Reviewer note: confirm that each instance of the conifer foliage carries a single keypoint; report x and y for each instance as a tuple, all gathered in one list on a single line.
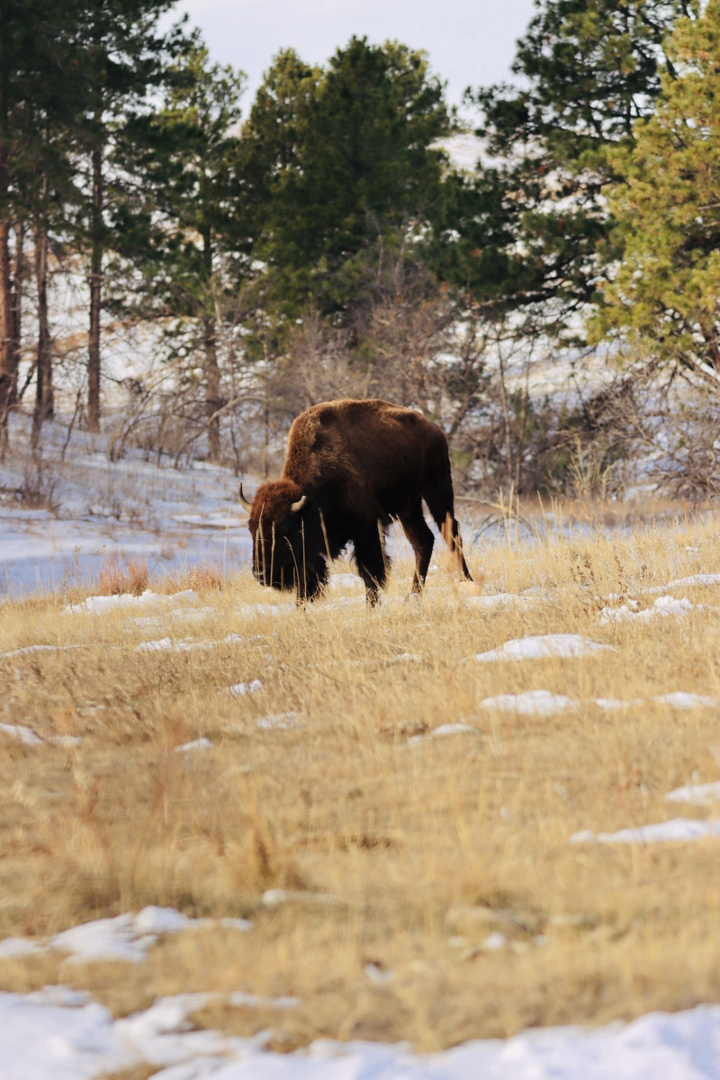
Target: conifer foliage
[(666, 290), (589, 69), (341, 161)]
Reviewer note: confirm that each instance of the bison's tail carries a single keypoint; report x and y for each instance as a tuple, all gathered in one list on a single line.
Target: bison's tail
[(450, 531), (440, 501)]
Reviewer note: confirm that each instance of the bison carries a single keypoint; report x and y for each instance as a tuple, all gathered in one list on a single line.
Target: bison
[(351, 468)]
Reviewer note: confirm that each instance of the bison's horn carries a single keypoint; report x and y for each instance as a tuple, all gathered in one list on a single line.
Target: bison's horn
[(247, 505), (296, 507)]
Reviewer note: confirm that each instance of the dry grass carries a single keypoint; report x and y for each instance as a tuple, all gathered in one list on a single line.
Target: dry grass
[(116, 578), (427, 846), (204, 576)]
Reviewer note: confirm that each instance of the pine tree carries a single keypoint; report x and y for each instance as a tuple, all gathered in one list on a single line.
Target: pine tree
[(542, 237), (118, 59), (28, 67), (667, 290), (338, 162)]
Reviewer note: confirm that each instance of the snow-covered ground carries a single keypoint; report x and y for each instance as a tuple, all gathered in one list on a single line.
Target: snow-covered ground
[(61, 1034), (103, 511)]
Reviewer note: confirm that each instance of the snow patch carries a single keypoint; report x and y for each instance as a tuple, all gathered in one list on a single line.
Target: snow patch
[(697, 794), (676, 829), (196, 744), (444, 731), (499, 600), (345, 581), (275, 897), (278, 721), (23, 734), (125, 937), (530, 703), (105, 939), (681, 583), (453, 729), (540, 646), (663, 606), (167, 644), (100, 605), (617, 703), (15, 946), (494, 941), (249, 611), (252, 1001), (28, 737), (58, 1033), (27, 650), (680, 699), (242, 688)]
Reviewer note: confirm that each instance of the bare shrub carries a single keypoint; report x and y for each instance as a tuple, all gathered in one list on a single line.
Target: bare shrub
[(410, 342), (521, 442), (37, 490), (664, 420), (114, 578), (203, 577), (678, 433)]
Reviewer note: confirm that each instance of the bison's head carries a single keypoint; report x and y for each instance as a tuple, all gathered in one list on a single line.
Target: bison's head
[(288, 551)]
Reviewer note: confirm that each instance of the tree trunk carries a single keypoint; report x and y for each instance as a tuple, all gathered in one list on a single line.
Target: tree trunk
[(6, 320), (44, 398), (213, 400), (10, 290), (96, 254), (16, 287)]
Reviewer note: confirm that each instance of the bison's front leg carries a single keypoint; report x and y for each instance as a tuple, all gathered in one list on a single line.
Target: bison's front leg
[(371, 562), (312, 581)]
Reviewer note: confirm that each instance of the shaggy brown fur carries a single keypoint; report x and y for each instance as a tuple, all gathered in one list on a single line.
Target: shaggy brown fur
[(351, 468)]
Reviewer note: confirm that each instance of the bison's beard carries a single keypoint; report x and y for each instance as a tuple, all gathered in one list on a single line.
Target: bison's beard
[(308, 576)]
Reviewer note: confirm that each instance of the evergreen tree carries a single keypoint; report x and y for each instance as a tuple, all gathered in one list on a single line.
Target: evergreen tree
[(32, 110), (341, 160), (667, 290), (119, 59), (541, 239)]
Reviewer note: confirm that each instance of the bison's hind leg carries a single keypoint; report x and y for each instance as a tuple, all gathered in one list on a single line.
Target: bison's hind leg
[(422, 541), (371, 560)]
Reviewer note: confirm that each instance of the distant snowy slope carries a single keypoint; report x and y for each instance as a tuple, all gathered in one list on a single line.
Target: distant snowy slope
[(103, 510)]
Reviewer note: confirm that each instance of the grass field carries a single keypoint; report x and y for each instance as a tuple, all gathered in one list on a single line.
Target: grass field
[(430, 888)]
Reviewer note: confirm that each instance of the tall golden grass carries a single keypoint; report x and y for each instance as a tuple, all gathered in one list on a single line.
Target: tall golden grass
[(401, 853)]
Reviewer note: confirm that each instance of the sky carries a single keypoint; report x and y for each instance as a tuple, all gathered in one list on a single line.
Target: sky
[(470, 42)]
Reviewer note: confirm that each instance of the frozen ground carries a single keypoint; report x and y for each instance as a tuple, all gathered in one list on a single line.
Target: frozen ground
[(102, 511), (62, 1034)]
